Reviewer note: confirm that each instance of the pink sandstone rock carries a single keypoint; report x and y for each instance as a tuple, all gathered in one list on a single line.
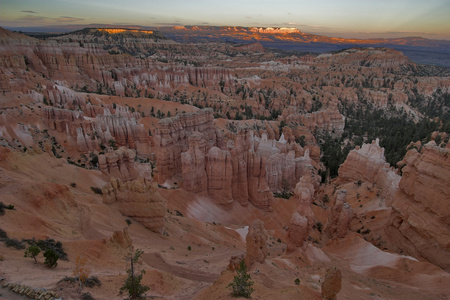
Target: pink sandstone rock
[(420, 224), (219, 172), (119, 164), (332, 283), (256, 243), (369, 164), (341, 215), (302, 219), (193, 164), (137, 199)]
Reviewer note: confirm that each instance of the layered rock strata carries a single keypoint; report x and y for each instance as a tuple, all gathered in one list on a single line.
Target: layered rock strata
[(119, 164), (106, 129), (171, 139), (302, 220), (369, 164), (420, 222), (137, 199), (340, 217)]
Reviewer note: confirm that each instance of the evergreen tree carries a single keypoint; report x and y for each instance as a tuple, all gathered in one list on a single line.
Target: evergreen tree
[(51, 258), (242, 285), (132, 284)]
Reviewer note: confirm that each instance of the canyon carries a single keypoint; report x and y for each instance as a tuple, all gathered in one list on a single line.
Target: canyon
[(203, 154)]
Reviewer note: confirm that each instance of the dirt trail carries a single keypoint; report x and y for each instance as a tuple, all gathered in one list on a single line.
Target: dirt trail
[(156, 261)]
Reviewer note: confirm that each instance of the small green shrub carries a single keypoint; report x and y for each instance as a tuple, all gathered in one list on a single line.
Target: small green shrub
[(97, 190), (367, 231), (51, 244), (14, 243), (4, 206), (92, 281), (3, 235), (32, 252), (51, 258), (297, 281), (69, 279), (87, 296), (319, 226), (189, 248)]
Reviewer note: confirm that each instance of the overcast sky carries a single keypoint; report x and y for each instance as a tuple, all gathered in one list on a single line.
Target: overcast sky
[(344, 18)]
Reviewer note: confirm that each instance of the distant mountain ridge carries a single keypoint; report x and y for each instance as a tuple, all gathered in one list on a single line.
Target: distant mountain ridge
[(283, 34), (420, 50)]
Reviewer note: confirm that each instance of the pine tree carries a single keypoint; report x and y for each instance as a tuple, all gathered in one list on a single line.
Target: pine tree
[(242, 285), (133, 282)]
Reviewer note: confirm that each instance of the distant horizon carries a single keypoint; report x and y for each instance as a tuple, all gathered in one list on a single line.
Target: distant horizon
[(345, 19), (55, 29)]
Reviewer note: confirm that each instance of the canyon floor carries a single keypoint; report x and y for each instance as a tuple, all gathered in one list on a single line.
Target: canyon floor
[(189, 260), (114, 142)]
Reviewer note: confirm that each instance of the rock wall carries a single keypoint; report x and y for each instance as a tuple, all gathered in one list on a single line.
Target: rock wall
[(193, 164), (369, 164), (90, 134), (171, 139), (219, 171), (302, 220), (340, 217), (119, 164), (420, 223), (137, 199), (228, 166), (84, 65), (329, 120)]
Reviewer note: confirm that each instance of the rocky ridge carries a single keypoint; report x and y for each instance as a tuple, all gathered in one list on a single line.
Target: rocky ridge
[(419, 224)]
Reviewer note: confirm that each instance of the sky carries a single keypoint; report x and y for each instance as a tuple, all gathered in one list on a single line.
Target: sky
[(338, 18)]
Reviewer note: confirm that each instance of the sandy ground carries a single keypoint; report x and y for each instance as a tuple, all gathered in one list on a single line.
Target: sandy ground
[(189, 260)]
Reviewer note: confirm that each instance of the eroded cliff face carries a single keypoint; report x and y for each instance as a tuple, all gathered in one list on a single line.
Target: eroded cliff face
[(171, 139), (102, 130), (413, 207), (224, 164), (369, 164), (420, 222), (137, 199), (341, 215), (302, 220)]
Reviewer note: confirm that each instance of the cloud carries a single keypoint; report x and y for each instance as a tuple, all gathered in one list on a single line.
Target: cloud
[(30, 18), (169, 24), (68, 19), (29, 11), (315, 27)]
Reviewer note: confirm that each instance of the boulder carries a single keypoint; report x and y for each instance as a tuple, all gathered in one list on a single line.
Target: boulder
[(331, 284)]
